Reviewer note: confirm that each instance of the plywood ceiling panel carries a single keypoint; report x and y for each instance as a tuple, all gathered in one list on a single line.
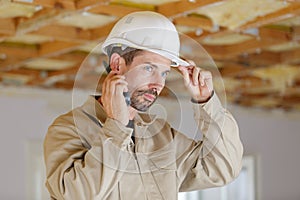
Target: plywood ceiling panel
[(86, 20), (234, 13), (226, 39), (150, 2), (9, 10), (15, 79), (29, 39), (49, 64), (284, 47), (295, 21)]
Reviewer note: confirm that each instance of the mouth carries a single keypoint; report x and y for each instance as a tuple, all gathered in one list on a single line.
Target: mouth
[(149, 97)]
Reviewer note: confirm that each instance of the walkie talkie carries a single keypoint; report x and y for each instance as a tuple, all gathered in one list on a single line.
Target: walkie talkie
[(126, 94)]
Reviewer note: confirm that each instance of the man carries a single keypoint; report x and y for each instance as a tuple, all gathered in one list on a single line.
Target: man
[(109, 148)]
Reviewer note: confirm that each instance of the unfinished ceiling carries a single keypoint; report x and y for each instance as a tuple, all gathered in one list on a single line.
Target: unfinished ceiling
[(254, 43)]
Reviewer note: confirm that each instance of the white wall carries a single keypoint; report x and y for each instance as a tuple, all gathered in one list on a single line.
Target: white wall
[(26, 114), (274, 137)]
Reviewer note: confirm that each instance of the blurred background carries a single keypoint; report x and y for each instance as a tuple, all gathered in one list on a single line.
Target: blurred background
[(256, 52)]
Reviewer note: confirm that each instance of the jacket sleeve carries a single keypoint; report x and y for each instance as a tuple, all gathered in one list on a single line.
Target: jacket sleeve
[(217, 159), (75, 171)]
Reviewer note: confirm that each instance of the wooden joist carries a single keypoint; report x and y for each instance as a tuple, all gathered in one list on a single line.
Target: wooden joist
[(113, 9), (64, 33), (267, 37), (193, 21), (19, 51), (7, 26), (180, 8), (59, 4), (290, 57)]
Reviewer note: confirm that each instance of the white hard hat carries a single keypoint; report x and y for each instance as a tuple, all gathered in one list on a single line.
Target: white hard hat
[(149, 31)]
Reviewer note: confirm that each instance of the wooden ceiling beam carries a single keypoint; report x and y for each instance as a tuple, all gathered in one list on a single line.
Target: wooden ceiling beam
[(26, 72), (74, 34), (8, 61), (36, 76), (267, 37), (274, 34), (19, 52), (199, 37), (250, 46), (66, 40), (178, 7), (22, 54), (60, 76), (65, 4), (68, 33), (193, 21), (70, 71), (218, 52), (42, 18), (90, 3), (230, 51), (232, 69), (291, 11), (45, 20), (264, 58), (101, 32), (296, 33), (59, 4), (113, 9), (72, 56), (57, 48), (267, 34), (3, 36), (7, 26), (290, 57)]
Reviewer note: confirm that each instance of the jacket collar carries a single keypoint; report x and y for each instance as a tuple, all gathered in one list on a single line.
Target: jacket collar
[(96, 110)]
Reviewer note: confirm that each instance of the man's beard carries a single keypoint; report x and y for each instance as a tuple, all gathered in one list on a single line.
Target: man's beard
[(139, 102)]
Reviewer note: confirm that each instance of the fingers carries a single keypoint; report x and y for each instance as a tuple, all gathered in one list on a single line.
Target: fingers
[(112, 90), (195, 75), (205, 79), (198, 82), (115, 83), (112, 97), (186, 75)]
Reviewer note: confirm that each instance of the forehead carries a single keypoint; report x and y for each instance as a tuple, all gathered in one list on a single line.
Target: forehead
[(150, 57)]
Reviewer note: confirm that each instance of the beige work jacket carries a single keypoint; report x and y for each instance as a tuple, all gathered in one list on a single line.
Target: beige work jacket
[(89, 156)]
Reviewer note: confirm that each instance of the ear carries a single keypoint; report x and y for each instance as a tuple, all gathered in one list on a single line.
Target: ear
[(116, 63)]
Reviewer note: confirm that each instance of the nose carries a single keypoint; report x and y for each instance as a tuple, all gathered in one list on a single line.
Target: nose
[(155, 87), (157, 82)]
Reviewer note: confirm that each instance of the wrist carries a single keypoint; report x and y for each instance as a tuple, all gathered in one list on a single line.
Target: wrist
[(199, 101)]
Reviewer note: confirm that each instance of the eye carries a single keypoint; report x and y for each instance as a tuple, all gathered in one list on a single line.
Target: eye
[(165, 74), (149, 68)]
